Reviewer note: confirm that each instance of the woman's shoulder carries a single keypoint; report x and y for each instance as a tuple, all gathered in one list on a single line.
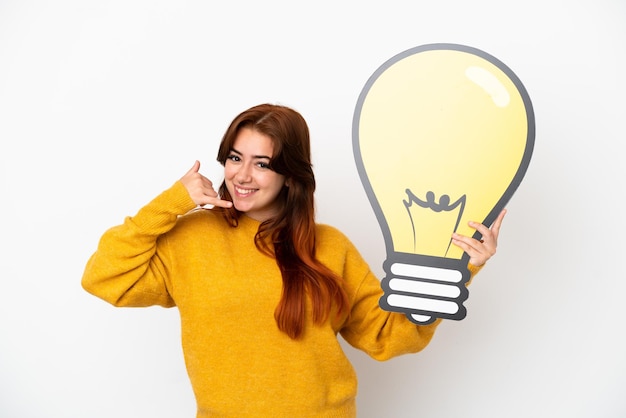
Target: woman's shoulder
[(328, 234), (337, 251), (328, 229)]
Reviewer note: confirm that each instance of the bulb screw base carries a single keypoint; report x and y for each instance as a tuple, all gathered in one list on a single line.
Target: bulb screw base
[(425, 288)]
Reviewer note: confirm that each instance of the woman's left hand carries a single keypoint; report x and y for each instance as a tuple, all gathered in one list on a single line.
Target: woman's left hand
[(480, 250)]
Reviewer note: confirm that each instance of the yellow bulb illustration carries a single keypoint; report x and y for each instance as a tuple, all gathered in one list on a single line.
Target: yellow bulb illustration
[(442, 135)]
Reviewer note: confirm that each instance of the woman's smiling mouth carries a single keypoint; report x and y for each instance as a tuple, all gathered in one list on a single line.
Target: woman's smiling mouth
[(244, 192)]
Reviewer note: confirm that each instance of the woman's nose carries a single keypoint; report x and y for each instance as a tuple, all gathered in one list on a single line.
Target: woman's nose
[(244, 174)]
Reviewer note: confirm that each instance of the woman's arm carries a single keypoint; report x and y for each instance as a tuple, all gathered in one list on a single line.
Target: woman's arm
[(129, 267)]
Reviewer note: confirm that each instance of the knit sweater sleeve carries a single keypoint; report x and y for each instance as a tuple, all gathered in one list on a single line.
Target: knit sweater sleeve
[(380, 334), (129, 267)]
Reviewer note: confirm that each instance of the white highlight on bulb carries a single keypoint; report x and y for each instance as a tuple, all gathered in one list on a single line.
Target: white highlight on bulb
[(488, 82)]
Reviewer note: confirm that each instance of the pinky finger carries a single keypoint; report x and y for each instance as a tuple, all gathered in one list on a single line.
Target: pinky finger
[(221, 203)]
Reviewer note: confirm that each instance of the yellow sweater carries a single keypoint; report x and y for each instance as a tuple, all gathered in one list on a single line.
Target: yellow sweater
[(239, 363)]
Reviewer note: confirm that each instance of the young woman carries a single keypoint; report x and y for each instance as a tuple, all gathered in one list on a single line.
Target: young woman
[(261, 288)]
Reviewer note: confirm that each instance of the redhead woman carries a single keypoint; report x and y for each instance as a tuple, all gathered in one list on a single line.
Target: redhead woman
[(262, 289)]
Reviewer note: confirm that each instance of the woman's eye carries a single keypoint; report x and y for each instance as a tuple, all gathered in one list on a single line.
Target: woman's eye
[(263, 165), (234, 157)]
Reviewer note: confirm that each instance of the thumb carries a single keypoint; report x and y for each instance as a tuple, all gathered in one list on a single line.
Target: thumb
[(195, 168)]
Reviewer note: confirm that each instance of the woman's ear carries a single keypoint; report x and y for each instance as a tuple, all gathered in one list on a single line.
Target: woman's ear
[(288, 182)]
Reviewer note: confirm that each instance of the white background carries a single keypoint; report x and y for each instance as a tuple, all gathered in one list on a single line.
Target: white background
[(103, 104)]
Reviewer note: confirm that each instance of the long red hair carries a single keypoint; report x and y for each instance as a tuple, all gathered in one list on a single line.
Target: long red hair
[(290, 235)]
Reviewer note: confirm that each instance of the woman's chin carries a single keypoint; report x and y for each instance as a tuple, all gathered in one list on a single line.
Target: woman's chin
[(241, 207)]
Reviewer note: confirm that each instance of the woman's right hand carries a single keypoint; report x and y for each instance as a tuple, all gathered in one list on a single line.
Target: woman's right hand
[(200, 188)]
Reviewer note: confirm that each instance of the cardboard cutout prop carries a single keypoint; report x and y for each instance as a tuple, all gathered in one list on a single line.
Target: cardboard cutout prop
[(442, 135)]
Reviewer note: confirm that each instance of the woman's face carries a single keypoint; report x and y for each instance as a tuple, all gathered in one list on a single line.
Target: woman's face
[(249, 180)]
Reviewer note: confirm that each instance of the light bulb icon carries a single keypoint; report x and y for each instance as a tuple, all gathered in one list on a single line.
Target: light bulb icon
[(442, 135)]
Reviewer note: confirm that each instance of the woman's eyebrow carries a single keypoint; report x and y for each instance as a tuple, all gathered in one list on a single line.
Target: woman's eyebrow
[(254, 156)]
